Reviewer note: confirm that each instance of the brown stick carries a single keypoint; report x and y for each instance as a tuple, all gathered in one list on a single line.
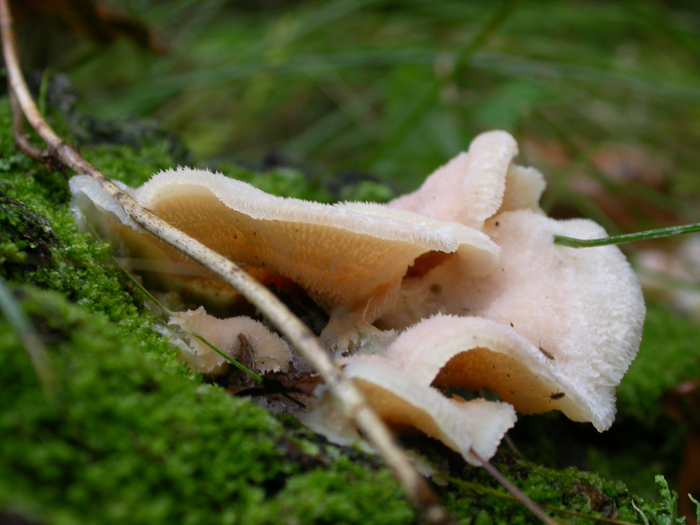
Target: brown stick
[(347, 397), (21, 139)]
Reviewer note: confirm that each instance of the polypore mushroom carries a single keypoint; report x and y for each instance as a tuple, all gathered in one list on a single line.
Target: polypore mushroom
[(465, 267), (470, 188), (270, 352), (404, 403), (580, 313), (349, 257)]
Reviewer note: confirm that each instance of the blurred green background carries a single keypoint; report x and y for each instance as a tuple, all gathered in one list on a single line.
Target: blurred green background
[(600, 95)]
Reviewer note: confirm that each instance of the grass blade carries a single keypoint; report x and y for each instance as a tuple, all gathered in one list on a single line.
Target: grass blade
[(12, 310)]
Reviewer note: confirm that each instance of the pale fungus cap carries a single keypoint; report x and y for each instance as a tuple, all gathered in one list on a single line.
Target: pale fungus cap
[(465, 268), (269, 351), (524, 187), (583, 308), (473, 353), (404, 403), (468, 189), (348, 255)]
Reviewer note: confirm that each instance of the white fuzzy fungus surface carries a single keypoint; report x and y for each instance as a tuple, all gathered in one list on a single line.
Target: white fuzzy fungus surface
[(464, 270), (270, 352)]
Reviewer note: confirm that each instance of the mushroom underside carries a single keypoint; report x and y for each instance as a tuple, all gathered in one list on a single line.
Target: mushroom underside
[(343, 256), (405, 404)]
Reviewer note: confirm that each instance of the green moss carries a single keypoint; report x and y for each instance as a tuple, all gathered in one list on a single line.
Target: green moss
[(569, 490), (568, 495), (23, 234), (669, 355), (79, 267), (131, 438), (135, 439), (290, 182), (132, 166), (350, 494)]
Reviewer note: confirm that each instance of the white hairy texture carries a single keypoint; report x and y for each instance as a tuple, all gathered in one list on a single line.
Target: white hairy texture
[(403, 402), (582, 306), (270, 352), (469, 188), (347, 255)]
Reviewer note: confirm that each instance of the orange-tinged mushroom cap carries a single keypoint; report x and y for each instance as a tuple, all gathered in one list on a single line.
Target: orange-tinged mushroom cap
[(348, 255), (404, 403)]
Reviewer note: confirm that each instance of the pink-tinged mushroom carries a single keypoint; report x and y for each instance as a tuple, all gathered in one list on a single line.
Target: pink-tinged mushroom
[(464, 269), (468, 189), (579, 311), (350, 258), (404, 403), (270, 353)]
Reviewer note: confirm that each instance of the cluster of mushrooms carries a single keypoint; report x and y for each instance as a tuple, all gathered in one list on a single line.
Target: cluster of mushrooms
[(457, 286)]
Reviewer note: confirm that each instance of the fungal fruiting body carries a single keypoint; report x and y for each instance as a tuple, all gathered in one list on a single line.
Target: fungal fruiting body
[(457, 285), (350, 258), (271, 352)]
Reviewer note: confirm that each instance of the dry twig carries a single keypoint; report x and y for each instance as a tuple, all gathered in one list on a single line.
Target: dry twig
[(21, 139), (519, 495), (344, 392)]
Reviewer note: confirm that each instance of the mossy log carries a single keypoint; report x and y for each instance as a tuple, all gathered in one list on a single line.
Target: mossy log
[(136, 437)]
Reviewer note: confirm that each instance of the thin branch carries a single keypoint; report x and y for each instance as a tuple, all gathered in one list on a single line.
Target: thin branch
[(480, 489), (660, 233), (510, 486), (347, 397), (21, 138)]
